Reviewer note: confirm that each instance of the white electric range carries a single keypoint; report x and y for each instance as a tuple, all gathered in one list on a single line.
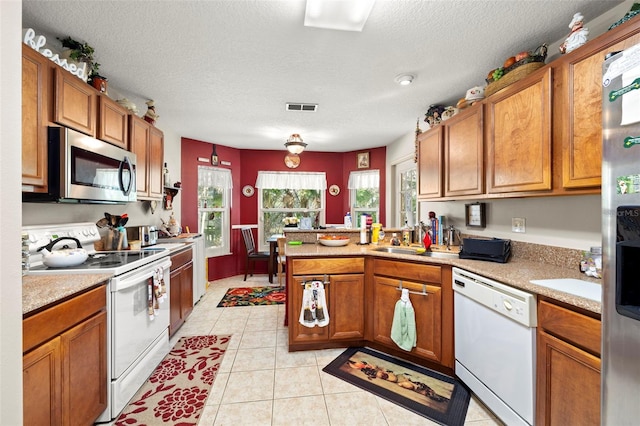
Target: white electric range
[(137, 305)]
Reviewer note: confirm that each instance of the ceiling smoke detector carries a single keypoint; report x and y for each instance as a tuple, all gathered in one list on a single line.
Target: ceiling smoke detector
[(301, 107)]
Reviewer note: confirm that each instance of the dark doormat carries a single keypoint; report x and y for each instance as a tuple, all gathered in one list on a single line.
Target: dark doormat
[(253, 296), (431, 394)]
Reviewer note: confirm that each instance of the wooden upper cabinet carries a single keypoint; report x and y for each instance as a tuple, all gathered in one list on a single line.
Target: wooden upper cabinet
[(36, 95), (147, 142), (113, 122), (139, 145), (156, 156), (430, 163), (75, 103), (464, 154), (518, 135), (578, 106)]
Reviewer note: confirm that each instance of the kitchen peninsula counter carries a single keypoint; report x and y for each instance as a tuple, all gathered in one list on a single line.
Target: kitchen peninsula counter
[(516, 273)]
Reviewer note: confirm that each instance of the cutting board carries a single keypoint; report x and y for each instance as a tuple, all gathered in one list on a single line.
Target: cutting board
[(580, 288)]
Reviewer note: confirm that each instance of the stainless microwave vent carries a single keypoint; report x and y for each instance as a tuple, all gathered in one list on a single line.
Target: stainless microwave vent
[(301, 107)]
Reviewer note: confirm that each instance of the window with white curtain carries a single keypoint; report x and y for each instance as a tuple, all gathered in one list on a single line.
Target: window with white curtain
[(287, 195), (364, 195), (214, 204)]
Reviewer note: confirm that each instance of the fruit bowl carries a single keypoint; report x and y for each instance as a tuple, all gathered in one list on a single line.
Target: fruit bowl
[(333, 240)]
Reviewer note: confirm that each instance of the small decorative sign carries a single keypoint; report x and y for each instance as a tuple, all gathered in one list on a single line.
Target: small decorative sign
[(37, 43)]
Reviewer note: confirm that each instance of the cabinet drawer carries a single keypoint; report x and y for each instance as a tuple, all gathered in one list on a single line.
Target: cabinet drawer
[(581, 330), (328, 266), (408, 271), (44, 325), (181, 258)]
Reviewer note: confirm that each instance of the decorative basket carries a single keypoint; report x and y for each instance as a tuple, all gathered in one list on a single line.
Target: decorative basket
[(515, 72)]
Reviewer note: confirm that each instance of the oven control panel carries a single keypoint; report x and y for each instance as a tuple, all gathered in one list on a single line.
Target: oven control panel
[(40, 235)]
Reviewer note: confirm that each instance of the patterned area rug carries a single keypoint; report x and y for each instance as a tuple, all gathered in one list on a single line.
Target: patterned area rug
[(426, 392), (177, 390), (251, 296)]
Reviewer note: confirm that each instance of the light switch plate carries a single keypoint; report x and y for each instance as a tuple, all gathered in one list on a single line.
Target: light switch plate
[(518, 224)]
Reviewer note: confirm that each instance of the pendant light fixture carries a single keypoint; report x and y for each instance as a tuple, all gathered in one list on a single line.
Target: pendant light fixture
[(214, 157), (294, 144)]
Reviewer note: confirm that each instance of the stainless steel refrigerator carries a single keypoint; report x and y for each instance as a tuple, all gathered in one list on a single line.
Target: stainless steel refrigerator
[(621, 239)]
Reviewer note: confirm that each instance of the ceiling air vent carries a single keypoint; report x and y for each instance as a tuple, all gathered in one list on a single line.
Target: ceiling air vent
[(301, 107)]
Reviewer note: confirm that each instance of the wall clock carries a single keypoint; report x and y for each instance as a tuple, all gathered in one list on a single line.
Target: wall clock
[(247, 190), (475, 215), (334, 190), (292, 160)]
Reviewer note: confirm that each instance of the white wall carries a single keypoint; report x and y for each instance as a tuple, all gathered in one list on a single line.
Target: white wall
[(571, 222), (10, 158)]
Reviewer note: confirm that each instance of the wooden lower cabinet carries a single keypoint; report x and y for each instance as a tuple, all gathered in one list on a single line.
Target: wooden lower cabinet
[(361, 298), (568, 367), (345, 301), (65, 369), (180, 289), (432, 300), (427, 309)]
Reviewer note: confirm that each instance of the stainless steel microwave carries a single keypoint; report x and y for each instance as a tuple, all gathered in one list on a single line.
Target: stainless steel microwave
[(83, 169)]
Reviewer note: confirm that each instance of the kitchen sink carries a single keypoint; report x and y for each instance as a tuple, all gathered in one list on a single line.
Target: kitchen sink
[(441, 254), (416, 252)]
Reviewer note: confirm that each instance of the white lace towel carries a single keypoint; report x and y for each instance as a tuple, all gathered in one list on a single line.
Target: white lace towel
[(314, 310)]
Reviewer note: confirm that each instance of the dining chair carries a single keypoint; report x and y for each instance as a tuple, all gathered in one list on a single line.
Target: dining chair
[(252, 254), (282, 260)]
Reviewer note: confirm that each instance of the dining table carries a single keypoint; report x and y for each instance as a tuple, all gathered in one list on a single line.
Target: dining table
[(273, 250)]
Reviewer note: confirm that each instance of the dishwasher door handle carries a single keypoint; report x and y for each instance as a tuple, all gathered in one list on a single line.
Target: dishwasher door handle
[(459, 283)]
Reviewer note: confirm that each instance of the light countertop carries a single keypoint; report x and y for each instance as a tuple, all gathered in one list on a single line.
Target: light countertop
[(516, 272)]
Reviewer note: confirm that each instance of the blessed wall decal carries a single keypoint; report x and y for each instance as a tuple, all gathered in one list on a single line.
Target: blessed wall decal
[(37, 43)]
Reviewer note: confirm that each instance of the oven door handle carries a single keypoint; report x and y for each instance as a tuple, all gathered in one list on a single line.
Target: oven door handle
[(131, 280)]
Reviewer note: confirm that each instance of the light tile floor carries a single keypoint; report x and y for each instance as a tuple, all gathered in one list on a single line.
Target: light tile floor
[(261, 383)]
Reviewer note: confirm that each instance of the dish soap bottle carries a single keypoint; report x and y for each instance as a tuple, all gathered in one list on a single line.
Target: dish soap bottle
[(347, 220), (406, 234)]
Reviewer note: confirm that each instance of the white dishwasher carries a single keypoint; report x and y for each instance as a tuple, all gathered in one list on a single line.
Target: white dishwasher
[(495, 344)]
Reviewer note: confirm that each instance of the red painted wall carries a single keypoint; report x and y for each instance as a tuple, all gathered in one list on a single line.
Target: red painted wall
[(245, 165)]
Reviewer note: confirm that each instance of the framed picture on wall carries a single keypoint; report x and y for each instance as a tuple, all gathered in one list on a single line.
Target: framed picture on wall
[(363, 160)]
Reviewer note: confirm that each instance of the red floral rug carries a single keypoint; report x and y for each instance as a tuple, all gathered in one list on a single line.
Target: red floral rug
[(251, 296), (177, 390)]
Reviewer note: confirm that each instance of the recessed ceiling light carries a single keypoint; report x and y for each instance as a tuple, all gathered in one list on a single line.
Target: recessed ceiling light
[(404, 79), (346, 15)]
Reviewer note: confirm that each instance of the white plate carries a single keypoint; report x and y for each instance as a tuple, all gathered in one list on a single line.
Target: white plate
[(334, 243)]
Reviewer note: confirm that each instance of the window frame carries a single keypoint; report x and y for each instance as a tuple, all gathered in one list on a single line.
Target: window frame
[(225, 248)]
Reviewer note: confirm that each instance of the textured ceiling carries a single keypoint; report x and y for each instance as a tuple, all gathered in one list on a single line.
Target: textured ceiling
[(222, 71)]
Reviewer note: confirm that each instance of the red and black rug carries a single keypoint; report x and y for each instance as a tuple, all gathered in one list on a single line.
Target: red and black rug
[(253, 296), (431, 394)]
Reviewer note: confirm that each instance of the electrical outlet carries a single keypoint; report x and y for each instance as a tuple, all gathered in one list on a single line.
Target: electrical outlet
[(518, 224)]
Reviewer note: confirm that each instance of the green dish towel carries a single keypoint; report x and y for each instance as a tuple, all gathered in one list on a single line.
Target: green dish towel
[(403, 327)]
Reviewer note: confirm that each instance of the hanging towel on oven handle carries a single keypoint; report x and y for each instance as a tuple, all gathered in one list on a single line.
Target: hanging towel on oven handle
[(314, 310)]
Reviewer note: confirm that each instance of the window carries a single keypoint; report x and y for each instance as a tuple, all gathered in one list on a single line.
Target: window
[(214, 195), (288, 194), (406, 179), (364, 194)]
